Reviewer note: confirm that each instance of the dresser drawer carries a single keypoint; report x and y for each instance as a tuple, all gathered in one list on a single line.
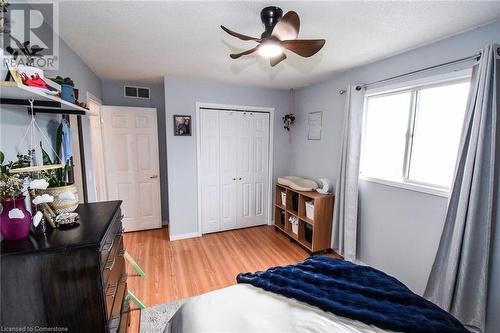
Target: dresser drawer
[(110, 238), (125, 318), (113, 285), (116, 251), (120, 309)]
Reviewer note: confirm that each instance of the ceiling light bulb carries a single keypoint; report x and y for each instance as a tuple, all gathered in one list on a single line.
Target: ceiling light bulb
[(270, 49)]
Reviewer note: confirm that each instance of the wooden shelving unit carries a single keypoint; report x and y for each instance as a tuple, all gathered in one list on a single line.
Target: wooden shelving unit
[(313, 234)]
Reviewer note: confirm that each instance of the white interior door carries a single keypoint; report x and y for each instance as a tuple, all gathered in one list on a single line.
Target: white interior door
[(132, 164), (228, 121), (210, 198), (253, 169), (245, 197), (260, 167), (234, 169)]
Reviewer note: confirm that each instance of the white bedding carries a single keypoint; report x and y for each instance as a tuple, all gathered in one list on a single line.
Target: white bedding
[(245, 308)]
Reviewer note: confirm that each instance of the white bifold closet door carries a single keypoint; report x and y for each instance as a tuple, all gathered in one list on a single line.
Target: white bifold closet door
[(234, 169)]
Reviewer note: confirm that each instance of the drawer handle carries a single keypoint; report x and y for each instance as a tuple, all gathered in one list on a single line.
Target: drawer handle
[(108, 245), (111, 289), (110, 266), (123, 279)]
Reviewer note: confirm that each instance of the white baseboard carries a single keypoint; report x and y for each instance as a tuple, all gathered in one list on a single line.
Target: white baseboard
[(184, 236)]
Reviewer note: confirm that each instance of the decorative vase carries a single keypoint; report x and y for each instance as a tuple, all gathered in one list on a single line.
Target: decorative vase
[(67, 93), (15, 228), (65, 198)]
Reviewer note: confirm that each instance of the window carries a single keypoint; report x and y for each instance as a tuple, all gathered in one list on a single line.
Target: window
[(411, 136)]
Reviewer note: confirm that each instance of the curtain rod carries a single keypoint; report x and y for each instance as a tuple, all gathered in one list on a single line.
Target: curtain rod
[(476, 56)]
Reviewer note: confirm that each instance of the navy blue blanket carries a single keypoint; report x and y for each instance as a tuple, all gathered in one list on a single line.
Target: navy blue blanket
[(357, 292)]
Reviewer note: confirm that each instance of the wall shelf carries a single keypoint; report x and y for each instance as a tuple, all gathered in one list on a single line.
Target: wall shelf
[(12, 93), (313, 234)]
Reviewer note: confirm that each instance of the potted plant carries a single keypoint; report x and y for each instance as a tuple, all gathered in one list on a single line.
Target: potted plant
[(288, 121), (15, 220), (60, 186), (67, 88)]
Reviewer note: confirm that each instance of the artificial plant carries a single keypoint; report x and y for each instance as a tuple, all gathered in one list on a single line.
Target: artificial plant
[(22, 161), (57, 177), (288, 121), (60, 80)]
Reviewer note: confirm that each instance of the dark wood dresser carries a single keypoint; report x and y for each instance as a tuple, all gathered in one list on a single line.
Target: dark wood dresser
[(69, 281)]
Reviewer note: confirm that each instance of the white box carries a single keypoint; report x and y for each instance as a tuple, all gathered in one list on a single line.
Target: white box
[(295, 228), (310, 209), (283, 198)]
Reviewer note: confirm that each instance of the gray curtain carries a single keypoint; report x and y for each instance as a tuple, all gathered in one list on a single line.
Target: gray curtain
[(345, 218), (459, 277)]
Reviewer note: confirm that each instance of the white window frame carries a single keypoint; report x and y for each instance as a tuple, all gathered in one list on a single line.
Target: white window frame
[(413, 87)]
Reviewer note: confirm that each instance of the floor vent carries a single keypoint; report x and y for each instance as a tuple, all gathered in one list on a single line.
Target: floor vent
[(136, 92)]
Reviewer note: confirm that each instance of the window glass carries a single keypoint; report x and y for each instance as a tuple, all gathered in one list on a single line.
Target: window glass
[(385, 135), (438, 125)]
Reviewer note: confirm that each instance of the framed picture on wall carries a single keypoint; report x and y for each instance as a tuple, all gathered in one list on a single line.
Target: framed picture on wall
[(314, 123), (182, 125)]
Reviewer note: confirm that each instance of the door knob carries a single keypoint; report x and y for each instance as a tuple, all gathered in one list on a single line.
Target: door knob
[(153, 177)]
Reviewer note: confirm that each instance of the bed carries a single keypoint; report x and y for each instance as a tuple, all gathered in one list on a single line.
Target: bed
[(320, 294)]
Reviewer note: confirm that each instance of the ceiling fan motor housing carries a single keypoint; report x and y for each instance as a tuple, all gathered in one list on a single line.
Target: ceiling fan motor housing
[(270, 16)]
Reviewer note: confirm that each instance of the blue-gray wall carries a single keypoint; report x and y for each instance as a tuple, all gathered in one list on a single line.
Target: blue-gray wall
[(399, 229), (14, 120), (181, 95), (113, 94)]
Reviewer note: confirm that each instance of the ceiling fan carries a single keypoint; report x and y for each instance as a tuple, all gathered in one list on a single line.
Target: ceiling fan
[(280, 33)]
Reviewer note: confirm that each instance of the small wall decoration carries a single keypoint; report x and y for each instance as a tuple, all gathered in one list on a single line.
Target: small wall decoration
[(314, 122), (288, 121), (182, 125)]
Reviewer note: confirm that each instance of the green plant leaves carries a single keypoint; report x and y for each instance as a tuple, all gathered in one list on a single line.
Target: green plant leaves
[(60, 80), (59, 136), (45, 156)]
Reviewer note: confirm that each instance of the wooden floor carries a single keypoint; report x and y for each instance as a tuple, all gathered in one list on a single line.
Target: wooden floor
[(183, 268)]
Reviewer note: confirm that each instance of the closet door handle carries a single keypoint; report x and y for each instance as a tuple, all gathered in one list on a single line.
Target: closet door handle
[(239, 178)]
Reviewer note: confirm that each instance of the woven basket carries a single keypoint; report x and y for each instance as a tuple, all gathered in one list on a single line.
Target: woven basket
[(63, 204)]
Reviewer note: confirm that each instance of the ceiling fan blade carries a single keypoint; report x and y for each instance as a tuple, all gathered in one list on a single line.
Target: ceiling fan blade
[(237, 55), (304, 47), (287, 27), (238, 35), (276, 60)]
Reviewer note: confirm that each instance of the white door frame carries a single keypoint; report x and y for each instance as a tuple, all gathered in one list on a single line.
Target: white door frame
[(102, 173), (270, 110)]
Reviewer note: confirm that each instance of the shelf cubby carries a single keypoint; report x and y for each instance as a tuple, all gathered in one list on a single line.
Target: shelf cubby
[(277, 197), (292, 202), (280, 217)]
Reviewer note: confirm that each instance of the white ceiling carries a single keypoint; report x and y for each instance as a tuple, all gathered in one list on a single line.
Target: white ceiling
[(144, 40)]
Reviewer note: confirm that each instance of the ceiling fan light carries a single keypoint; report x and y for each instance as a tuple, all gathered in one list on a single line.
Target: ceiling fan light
[(270, 49)]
